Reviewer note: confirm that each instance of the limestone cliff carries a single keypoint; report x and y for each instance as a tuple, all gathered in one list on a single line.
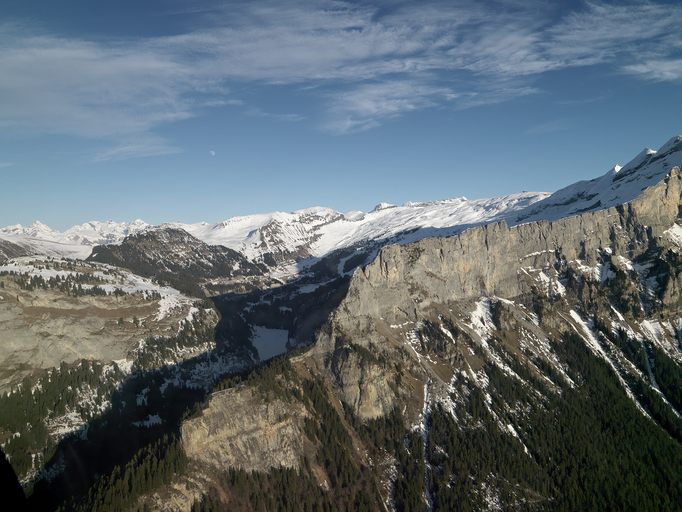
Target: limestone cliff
[(433, 324), (240, 429), (442, 279)]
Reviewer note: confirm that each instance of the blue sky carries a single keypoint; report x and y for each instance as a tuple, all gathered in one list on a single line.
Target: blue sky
[(202, 110)]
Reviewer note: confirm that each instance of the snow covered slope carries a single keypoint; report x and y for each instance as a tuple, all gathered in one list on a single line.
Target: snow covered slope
[(101, 233), (90, 233), (618, 186), (319, 231), (41, 247), (286, 234), (75, 242), (282, 238)]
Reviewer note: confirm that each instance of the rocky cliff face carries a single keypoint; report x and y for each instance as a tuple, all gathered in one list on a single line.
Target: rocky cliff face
[(486, 260), (240, 428), (442, 329), (598, 256)]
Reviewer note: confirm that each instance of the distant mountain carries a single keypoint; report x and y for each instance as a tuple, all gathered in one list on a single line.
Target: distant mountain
[(37, 230), (174, 256), (75, 242), (315, 232), (89, 233), (101, 233), (281, 239), (290, 242)]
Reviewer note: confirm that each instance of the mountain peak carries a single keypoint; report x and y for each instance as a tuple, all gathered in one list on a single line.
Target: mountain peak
[(673, 144), (383, 206), (619, 185), (641, 158)]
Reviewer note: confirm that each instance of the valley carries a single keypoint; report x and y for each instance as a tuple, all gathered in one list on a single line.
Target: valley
[(518, 353)]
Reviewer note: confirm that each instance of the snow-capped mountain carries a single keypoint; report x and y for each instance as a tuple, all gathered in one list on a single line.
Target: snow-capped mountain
[(175, 256), (619, 185), (89, 233), (283, 238), (75, 242), (36, 230), (101, 233), (286, 237), (319, 231)]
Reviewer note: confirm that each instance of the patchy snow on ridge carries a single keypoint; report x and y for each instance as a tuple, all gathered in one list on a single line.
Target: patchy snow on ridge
[(482, 320), (112, 279), (588, 336)]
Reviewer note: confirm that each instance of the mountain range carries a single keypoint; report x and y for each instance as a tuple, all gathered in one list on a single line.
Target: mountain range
[(515, 353), (316, 232)]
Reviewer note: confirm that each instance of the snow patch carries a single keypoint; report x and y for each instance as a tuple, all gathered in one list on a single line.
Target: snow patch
[(150, 421), (674, 235), (269, 342), (588, 336)]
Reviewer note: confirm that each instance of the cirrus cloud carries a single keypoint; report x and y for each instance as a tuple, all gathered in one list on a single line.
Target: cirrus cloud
[(358, 65)]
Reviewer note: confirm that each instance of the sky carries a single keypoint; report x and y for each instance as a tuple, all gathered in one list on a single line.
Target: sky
[(202, 110)]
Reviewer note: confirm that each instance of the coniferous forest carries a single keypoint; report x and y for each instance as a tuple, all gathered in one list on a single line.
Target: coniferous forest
[(585, 449)]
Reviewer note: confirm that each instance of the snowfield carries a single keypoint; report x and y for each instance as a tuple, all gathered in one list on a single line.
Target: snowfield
[(325, 230)]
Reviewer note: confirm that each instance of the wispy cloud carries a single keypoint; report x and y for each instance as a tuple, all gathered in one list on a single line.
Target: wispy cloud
[(365, 106), (583, 101), (553, 126), (145, 146), (362, 64), (5, 165), (619, 33), (259, 112), (657, 69)]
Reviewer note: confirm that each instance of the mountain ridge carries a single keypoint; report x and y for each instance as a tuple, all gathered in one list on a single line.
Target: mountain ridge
[(284, 239), (435, 368)]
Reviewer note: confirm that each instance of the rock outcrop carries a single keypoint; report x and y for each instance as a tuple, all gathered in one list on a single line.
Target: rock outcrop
[(240, 429), (10, 250)]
